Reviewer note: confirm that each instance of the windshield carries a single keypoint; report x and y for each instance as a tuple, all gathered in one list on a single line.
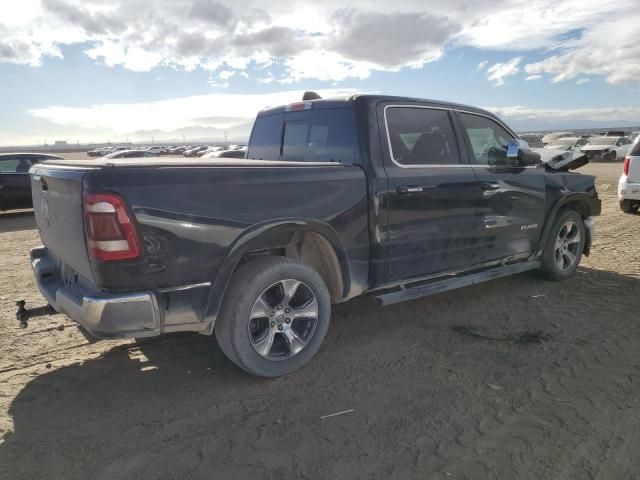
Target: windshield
[(565, 141), (603, 140)]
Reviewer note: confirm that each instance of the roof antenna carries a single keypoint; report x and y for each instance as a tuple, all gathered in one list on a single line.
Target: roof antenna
[(311, 96)]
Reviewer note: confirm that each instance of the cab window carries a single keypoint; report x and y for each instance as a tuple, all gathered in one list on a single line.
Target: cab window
[(421, 136), (487, 139), (15, 165), (323, 135), (265, 138)]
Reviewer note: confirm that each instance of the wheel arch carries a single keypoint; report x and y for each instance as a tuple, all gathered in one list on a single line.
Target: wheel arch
[(578, 202), (312, 242)]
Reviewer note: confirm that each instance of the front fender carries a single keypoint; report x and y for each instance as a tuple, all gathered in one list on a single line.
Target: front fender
[(587, 202)]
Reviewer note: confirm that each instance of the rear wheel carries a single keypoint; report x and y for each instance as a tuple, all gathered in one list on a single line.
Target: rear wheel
[(613, 156), (275, 316), (629, 206), (563, 251)]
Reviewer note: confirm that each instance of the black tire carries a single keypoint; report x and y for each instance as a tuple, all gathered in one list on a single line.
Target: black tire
[(562, 253), (613, 156), (629, 206), (251, 283)]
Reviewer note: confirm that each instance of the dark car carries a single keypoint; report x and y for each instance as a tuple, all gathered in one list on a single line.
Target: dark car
[(130, 154), (235, 153), (393, 197), (15, 184)]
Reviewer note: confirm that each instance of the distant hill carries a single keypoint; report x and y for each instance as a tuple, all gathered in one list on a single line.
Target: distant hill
[(236, 134)]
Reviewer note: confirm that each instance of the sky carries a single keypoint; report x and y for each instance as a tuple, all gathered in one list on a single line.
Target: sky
[(115, 70)]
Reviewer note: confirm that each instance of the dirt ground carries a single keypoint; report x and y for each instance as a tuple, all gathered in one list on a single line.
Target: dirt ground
[(520, 378)]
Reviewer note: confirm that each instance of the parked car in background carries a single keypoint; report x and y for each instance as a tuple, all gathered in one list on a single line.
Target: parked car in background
[(337, 198), (15, 184), (130, 154), (193, 152), (568, 143), (608, 149), (237, 153), (207, 150), (614, 133), (629, 183), (534, 141), (552, 137)]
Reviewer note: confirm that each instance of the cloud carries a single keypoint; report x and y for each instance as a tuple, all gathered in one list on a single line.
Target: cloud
[(582, 81), (230, 109), (601, 114), (211, 12), (609, 48), (325, 41), (482, 65), (499, 71), (93, 23), (532, 78), (391, 40)]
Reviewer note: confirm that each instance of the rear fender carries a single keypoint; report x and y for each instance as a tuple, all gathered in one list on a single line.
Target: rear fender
[(266, 237)]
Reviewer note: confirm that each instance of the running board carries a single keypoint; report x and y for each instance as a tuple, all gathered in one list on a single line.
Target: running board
[(465, 280)]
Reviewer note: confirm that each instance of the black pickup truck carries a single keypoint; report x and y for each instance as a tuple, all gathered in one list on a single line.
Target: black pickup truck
[(394, 197)]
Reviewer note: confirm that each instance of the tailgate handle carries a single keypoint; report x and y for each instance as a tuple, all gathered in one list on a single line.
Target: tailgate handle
[(44, 185)]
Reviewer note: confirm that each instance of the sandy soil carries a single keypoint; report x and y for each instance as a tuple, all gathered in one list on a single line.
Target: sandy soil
[(519, 378)]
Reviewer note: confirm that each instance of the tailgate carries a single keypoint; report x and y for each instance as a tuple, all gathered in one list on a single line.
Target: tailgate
[(57, 204)]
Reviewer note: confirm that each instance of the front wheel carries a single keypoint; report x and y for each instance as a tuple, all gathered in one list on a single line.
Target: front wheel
[(275, 316), (564, 247)]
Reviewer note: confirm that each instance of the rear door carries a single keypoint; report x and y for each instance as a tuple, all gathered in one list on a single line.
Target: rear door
[(511, 203), (432, 192)]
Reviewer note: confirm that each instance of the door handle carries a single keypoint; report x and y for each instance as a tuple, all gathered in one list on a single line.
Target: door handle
[(406, 189), (490, 186)]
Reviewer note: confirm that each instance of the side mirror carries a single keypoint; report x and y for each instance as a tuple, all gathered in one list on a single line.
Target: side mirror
[(519, 154)]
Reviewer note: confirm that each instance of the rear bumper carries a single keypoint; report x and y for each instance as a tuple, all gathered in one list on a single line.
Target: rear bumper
[(628, 190), (103, 315)]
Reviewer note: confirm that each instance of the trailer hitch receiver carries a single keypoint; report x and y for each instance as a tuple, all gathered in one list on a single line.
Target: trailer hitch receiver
[(24, 314)]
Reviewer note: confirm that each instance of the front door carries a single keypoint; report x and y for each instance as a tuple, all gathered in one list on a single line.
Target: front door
[(511, 202), (432, 192)]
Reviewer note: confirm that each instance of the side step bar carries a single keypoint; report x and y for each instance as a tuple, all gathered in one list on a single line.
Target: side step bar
[(410, 293)]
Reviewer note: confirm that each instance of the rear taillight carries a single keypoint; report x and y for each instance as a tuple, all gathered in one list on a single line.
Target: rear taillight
[(625, 167), (108, 227)]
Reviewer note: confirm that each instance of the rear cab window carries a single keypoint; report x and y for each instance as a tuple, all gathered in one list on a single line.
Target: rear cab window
[(635, 149), (266, 137), (320, 135)]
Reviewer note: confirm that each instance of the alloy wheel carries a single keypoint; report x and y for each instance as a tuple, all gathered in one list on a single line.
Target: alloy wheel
[(283, 320), (567, 246)]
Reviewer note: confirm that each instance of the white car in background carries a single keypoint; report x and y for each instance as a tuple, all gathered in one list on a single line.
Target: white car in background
[(629, 183), (552, 137), (568, 144), (608, 149)]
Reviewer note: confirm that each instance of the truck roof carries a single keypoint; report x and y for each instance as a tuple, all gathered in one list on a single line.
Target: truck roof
[(366, 99)]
